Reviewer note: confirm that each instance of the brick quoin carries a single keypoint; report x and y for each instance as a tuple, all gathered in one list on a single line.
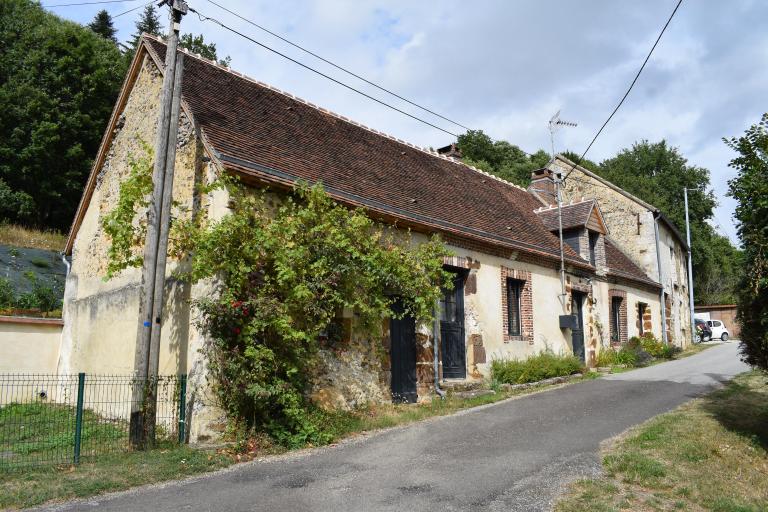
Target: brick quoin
[(526, 304)]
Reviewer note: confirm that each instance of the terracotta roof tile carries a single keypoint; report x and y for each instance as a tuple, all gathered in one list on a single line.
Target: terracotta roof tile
[(256, 128), (574, 215), (620, 265)]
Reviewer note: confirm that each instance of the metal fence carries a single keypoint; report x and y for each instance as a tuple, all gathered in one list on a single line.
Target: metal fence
[(63, 419)]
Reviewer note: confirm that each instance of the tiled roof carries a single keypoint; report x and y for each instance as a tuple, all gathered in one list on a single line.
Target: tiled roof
[(258, 130), (620, 265), (574, 215)]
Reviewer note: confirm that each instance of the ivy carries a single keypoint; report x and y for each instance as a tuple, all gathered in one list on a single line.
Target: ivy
[(285, 269), (286, 273), (126, 236)]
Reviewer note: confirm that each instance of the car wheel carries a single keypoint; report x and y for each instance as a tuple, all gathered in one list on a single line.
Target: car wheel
[(698, 339), (724, 337)]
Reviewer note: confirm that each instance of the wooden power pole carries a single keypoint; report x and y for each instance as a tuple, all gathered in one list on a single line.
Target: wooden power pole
[(144, 399)]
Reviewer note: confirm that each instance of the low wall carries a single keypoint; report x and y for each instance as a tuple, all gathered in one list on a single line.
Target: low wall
[(29, 345)]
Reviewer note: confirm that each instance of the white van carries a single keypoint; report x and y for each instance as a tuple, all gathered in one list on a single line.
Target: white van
[(719, 330)]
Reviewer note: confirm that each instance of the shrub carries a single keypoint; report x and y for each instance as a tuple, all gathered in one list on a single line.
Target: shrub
[(284, 273), (7, 293), (627, 356), (607, 357), (542, 366)]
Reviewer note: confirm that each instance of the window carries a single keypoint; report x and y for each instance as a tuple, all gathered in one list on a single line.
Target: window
[(592, 245), (514, 292), (616, 319), (640, 314)]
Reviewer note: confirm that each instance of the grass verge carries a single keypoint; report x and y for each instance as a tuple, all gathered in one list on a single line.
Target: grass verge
[(709, 454), (19, 236), (123, 470)]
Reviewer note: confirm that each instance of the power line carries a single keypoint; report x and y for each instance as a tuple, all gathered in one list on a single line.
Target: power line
[(320, 73), (628, 90), (341, 68), (131, 10), (90, 3)]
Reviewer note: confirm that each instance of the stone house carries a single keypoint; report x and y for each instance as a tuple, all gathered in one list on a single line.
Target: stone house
[(642, 232), (507, 297)]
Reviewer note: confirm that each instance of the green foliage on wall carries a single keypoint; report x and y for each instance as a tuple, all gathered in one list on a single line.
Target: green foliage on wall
[(126, 232), (284, 269), (750, 189)]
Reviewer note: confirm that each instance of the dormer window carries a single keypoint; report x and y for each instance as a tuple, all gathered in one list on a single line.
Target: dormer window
[(593, 238)]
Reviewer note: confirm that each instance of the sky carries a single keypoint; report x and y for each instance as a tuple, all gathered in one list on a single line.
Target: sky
[(507, 66)]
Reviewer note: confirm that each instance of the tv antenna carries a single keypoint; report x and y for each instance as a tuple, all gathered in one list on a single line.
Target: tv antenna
[(554, 124)]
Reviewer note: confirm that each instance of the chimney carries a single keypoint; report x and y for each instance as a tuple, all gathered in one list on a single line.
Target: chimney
[(451, 150), (543, 184)]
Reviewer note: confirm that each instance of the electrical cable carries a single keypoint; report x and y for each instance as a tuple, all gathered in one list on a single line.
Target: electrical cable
[(135, 8), (628, 90), (320, 73), (90, 3), (341, 68)]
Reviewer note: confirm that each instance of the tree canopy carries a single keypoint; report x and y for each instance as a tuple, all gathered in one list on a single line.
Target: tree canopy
[(59, 83), (149, 23), (750, 189), (501, 158)]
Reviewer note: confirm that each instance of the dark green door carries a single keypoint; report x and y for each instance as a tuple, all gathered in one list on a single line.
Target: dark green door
[(402, 334), (452, 330), (577, 333)]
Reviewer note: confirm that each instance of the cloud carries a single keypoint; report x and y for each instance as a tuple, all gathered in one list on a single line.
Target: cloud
[(506, 67)]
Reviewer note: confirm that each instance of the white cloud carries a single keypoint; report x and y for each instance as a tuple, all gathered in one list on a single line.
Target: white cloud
[(506, 67)]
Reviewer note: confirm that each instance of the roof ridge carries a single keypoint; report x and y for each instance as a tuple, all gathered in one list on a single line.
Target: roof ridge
[(324, 110)]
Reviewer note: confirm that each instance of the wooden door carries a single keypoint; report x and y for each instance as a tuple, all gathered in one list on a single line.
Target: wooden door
[(577, 333), (402, 333), (454, 355)]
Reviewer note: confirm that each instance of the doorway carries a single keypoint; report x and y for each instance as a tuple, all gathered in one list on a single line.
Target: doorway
[(577, 332), (452, 341), (402, 335)]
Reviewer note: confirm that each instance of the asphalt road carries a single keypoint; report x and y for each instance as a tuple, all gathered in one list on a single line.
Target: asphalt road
[(513, 455)]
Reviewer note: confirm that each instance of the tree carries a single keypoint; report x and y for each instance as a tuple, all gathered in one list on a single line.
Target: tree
[(197, 44), (59, 84), (657, 174), (149, 23), (750, 189), (102, 25), (500, 158)]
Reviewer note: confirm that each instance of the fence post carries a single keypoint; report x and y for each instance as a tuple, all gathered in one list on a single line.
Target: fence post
[(79, 415), (182, 408)]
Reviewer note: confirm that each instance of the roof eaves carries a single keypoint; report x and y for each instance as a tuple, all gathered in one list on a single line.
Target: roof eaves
[(373, 205)]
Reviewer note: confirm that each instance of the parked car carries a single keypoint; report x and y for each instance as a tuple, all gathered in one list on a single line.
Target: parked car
[(719, 330), (703, 332)]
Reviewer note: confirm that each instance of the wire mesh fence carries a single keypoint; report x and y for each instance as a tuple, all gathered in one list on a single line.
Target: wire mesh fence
[(63, 419)]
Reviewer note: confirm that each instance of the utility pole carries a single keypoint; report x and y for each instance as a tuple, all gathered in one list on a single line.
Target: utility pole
[(144, 399), (690, 265), (554, 123)]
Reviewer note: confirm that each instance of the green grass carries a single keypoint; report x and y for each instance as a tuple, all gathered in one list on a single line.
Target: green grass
[(108, 473), (710, 454)]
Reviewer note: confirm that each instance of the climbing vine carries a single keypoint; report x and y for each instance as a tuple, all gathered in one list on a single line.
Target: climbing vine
[(121, 225), (285, 268)]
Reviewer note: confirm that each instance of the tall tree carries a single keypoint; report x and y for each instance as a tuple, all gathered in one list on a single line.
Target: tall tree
[(750, 189), (102, 25), (148, 22), (197, 44), (59, 81), (501, 158)]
